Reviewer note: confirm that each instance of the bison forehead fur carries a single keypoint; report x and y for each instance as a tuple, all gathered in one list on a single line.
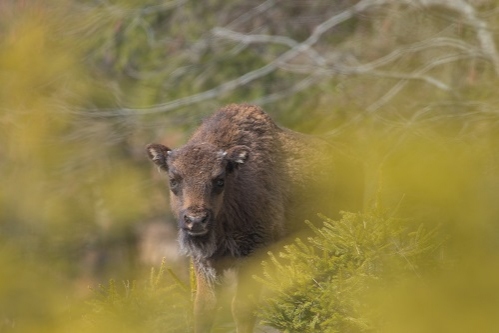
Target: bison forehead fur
[(196, 161)]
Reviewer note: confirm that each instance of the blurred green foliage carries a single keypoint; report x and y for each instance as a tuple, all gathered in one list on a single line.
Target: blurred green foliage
[(164, 302), (329, 282), (86, 84)]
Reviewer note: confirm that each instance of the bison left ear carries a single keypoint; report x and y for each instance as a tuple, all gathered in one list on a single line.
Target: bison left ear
[(237, 155), (158, 154)]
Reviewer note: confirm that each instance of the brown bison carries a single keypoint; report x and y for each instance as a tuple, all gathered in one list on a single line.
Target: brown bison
[(234, 190)]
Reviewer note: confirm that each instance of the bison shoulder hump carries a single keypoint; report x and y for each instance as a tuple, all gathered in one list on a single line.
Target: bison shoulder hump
[(237, 123)]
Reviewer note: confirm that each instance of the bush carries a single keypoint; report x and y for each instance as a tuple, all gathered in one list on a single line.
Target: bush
[(328, 282), (162, 304)]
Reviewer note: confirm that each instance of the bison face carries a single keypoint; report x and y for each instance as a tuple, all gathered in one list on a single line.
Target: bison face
[(200, 175)]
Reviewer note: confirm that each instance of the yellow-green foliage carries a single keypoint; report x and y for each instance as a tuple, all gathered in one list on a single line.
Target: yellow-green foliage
[(60, 191), (66, 176), (323, 284), (163, 302), (428, 266)]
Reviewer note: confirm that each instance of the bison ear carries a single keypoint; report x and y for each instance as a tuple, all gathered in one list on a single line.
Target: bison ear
[(158, 154), (236, 156)]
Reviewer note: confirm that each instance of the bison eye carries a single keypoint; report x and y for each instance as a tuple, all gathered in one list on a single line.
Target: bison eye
[(218, 185), (219, 182), (174, 185)]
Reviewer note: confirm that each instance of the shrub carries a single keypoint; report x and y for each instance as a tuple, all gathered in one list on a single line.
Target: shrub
[(327, 282), (162, 304)]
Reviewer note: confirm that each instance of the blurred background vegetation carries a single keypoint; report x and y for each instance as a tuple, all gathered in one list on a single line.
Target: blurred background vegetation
[(407, 87)]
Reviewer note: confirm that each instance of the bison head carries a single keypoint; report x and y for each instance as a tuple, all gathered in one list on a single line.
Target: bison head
[(199, 175)]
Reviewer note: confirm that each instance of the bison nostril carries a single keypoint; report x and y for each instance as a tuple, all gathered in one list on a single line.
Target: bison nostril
[(196, 218)]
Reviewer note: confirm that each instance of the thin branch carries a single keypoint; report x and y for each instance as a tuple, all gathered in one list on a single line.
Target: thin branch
[(252, 13), (414, 77), (300, 86), (395, 89), (282, 40), (417, 47)]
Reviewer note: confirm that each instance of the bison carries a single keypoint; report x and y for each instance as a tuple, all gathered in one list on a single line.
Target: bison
[(240, 184)]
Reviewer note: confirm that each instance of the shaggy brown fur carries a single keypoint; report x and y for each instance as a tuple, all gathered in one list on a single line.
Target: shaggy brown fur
[(238, 185)]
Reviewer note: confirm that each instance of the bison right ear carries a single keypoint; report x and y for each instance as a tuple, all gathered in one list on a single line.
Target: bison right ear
[(158, 154), (236, 156)]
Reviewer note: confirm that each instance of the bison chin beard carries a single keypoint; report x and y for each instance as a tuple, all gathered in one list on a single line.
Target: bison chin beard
[(198, 247)]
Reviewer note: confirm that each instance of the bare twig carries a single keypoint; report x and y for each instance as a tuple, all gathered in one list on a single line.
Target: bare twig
[(283, 40)]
